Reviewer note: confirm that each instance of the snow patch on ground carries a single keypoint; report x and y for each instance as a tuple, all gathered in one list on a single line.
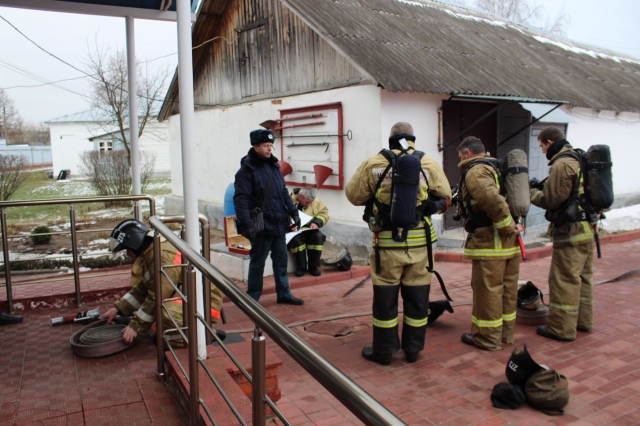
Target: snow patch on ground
[(624, 219)]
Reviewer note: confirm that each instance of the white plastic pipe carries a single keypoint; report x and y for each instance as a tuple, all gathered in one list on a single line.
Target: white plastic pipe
[(133, 108), (189, 148)]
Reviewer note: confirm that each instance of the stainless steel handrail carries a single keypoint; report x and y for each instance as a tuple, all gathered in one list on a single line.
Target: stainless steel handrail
[(74, 244), (356, 399)]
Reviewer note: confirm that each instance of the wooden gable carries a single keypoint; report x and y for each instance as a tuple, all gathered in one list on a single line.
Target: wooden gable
[(258, 49)]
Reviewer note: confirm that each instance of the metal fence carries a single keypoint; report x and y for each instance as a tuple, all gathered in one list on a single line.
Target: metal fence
[(356, 399), (34, 155)]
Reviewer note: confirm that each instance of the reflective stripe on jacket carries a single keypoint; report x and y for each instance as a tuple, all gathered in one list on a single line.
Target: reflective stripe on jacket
[(481, 189), (559, 187), (317, 209)]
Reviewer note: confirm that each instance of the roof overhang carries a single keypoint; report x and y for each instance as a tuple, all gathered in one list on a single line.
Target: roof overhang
[(547, 113), (507, 98), (157, 10)]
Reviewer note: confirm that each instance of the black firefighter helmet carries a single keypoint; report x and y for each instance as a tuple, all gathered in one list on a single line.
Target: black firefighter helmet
[(131, 235), (520, 367), (528, 296), (343, 261)]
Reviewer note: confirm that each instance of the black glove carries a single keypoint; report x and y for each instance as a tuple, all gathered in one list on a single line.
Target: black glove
[(296, 222), (433, 205), (535, 183), (249, 233)]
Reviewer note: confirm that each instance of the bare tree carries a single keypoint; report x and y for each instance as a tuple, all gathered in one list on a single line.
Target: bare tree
[(13, 174), (109, 172), (10, 121), (526, 12), (109, 93), (36, 132)]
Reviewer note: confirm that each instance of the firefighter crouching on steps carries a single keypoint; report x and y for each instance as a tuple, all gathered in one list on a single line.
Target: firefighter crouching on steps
[(403, 265), (492, 247), (134, 237), (308, 244), (570, 276)]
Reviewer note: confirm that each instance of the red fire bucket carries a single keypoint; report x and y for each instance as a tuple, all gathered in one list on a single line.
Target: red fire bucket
[(285, 168), (322, 174)]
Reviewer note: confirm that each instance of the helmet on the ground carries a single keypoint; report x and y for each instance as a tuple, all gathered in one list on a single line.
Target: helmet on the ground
[(520, 367), (343, 261), (131, 235), (528, 296)]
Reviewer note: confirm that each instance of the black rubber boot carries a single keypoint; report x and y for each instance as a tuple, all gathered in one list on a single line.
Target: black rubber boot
[(301, 263), (370, 355), (314, 262)]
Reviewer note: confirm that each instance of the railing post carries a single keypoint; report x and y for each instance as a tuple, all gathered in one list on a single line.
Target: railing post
[(194, 402), (74, 251), (7, 264), (157, 275), (258, 369), (185, 276), (206, 284)]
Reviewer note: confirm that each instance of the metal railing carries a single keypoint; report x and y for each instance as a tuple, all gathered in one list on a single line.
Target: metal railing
[(358, 401), (74, 237)]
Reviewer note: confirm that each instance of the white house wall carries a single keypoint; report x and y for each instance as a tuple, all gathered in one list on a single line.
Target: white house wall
[(619, 131), (68, 141), (222, 137), (418, 109), (156, 139)]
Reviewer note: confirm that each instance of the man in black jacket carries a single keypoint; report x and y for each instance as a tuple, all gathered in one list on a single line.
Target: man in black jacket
[(259, 184)]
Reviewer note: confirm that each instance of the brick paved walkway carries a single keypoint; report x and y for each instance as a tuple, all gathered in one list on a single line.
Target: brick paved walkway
[(41, 382)]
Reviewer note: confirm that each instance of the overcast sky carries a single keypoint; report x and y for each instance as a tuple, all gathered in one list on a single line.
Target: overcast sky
[(612, 24)]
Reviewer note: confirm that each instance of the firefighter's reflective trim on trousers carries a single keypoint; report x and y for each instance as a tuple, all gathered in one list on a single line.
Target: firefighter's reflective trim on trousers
[(509, 317), (317, 247), (586, 300), (415, 322), (486, 323), (170, 336), (415, 238), (301, 247), (145, 316), (586, 235), (503, 223), (132, 300), (566, 308), (385, 324)]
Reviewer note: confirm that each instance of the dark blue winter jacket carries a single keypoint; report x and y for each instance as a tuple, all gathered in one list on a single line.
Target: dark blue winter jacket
[(250, 186)]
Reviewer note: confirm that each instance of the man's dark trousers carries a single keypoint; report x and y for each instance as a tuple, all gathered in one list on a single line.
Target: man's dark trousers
[(260, 248)]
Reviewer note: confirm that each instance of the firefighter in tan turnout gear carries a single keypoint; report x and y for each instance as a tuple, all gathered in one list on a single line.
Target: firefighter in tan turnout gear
[(140, 302), (399, 266), (492, 247), (570, 276), (308, 244)]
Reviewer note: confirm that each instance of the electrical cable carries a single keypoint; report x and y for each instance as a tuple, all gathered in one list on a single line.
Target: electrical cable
[(106, 82)]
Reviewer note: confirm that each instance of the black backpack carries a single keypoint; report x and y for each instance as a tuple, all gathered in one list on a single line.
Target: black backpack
[(598, 187), (402, 214)]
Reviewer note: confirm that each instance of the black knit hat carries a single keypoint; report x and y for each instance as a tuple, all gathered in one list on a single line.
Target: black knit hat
[(261, 135), (507, 396)]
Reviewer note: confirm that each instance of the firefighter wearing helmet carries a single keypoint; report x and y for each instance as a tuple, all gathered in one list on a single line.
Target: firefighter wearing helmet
[(400, 267), (136, 239)]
